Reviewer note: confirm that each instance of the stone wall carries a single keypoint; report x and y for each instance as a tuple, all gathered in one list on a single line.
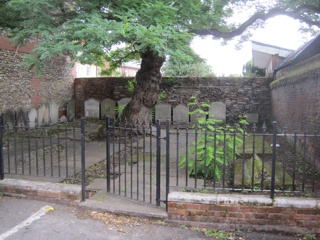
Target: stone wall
[(99, 89), (241, 95), (22, 90)]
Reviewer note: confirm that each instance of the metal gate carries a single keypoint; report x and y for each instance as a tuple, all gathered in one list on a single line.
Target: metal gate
[(136, 169)]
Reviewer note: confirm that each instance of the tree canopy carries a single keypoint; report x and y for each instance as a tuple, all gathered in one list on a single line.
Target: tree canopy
[(248, 70), (116, 31), (193, 66)]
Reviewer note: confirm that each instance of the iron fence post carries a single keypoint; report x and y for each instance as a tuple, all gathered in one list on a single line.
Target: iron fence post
[(167, 160), (274, 154), (1, 153), (108, 153), (158, 163), (83, 165)]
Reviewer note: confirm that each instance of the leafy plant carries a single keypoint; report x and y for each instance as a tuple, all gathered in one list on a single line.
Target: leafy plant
[(218, 234), (131, 85), (119, 108), (307, 236), (214, 148)]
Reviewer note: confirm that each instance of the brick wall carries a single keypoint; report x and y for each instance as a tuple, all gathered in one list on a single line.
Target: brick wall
[(259, 213), (20, 89), (295, 99), (295, 96), (241, 95)]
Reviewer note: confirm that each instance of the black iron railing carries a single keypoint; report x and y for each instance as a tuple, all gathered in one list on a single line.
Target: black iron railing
[(186, 158), (40, 150)]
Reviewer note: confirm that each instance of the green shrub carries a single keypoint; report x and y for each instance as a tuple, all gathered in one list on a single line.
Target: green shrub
[(215, 148)]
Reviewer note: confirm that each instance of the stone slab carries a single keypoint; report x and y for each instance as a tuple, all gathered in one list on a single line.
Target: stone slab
[(43, 114), (163, 112), (121, 104), (180, 114), (108, 108), (71, 110), (218, 111), (53, 112), (32, 115), (252, 117), (91, 108)]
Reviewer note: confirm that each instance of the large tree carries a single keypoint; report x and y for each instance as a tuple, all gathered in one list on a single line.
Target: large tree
[(193, 66), (95, 31)]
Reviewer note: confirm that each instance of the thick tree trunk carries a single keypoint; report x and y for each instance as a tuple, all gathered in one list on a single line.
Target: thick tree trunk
[(146, 91)]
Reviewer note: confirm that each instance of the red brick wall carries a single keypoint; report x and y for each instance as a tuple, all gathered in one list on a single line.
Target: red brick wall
[(6, 45), (259, 217), (295, 100)]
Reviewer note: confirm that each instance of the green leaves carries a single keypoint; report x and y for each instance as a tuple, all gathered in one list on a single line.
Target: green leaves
[(89, 31), (215, 147)]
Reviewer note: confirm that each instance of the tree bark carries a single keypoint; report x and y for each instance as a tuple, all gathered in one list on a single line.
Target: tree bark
[(145, 95)]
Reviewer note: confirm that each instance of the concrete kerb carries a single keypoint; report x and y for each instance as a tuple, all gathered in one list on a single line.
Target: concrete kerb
[(237, 199)]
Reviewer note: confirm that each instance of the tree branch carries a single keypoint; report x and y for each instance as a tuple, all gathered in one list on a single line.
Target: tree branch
[(295, 13)]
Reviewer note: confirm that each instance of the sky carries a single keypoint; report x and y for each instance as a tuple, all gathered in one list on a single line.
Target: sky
[(280, 31)]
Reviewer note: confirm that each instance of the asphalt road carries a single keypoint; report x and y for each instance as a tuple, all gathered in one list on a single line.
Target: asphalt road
[(29, 219)]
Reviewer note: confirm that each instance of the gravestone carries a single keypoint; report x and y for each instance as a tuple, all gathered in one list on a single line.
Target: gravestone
[(121, 104), (91, 108), (21, 119), (217, 111), (163, 112), (53, 112), (108, 108), (244, 169), (180, 114), (43, 115), (252, 117), (71, 110), (32, 115), (194, 117), (63, 119)]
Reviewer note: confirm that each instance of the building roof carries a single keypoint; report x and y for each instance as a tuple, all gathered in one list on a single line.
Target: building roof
[(262, 53), (309, 49)]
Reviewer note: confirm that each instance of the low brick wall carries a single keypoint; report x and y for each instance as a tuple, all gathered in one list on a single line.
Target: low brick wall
[(41, 190), (255, 212)]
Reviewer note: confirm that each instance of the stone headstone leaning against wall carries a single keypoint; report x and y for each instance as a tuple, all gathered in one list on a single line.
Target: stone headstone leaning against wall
[(252, 117), (32, 115), (71, 110), (91, 108), (218, 111), (121, 104), (163, 112), (43, 115), (108, 108), (180, 114), (53, 112)]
